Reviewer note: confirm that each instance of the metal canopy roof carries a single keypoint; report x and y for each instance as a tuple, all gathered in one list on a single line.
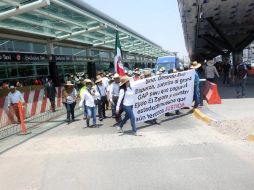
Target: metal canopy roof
[(71, 21), (216, 27)]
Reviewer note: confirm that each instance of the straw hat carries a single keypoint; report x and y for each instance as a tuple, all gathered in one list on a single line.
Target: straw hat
[(158, 72), (147, 72), (162, 69), (210, 62), (195, 65), (123, 80), (174, 71), (116, 76), (87, 81), (98, 79), (68, 83)]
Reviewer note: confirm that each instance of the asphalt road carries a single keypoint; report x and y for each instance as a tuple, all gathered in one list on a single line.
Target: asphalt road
[(180, 153)]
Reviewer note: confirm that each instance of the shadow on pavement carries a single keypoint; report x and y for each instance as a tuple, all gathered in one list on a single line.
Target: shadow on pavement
[(169, 118), (228, 91)]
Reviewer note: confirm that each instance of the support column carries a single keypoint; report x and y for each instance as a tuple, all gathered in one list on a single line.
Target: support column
[(91, 67), (225, 58), (53, 70), (237, 57)]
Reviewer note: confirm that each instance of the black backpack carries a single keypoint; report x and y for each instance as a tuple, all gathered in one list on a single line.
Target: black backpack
[(241, 71)]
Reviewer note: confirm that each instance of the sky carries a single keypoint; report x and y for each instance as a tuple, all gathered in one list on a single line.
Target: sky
[(158, 20)]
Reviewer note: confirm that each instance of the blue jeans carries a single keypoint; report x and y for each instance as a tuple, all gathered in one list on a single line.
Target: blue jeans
[(91, 113), (113, 108), (240, 87), (129, 115), (196, 96), (85, 112), (70, 110)]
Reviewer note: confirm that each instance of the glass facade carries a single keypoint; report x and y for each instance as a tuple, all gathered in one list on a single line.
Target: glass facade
[(32, 68)]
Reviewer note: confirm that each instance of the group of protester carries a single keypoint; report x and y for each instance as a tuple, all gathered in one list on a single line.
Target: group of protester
[(101, 94), (231, 75), (115, 92)]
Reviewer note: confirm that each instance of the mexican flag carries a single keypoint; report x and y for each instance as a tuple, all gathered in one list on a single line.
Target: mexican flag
[(118, 57)]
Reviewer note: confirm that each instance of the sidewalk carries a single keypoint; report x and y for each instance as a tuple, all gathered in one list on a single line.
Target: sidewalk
[(235, 115), (15, 140)]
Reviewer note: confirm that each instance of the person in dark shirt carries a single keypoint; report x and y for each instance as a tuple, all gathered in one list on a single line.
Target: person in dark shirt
[(50, 93), (226, 70)]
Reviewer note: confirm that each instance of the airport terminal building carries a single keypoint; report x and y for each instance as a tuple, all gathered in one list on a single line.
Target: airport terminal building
[(55, 37)]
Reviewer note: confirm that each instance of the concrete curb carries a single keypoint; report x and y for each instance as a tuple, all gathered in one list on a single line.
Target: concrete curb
[(205, 118)]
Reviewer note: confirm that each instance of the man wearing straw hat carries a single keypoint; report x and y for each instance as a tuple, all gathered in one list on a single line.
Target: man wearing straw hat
[(114, 93), (162, 70), (136, 75), (88, 100), (196, 96), (102, 98)]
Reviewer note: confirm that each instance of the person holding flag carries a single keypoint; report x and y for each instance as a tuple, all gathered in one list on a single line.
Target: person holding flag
[(118, 57)]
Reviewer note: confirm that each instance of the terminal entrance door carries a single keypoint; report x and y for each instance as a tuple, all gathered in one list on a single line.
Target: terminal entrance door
[(91, 70)]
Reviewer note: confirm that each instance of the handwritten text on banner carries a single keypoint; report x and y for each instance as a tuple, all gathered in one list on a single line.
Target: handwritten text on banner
[(158, 95)]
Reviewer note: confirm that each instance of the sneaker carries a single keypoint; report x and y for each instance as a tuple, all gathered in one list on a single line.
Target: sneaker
[(100, 119), (135, 134), (155, 122), (120, 130), (178, 112)]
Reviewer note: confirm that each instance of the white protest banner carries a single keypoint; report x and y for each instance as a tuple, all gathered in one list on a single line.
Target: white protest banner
[(158, 95)]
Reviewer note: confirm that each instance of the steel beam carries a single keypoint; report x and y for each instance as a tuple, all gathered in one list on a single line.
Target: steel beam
[(110, 41), (245, 42), (92, 29), (13, 3), (215, 42), (220, 33), (24, 9)]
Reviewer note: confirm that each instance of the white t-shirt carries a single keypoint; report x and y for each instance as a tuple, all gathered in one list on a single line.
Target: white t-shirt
[(101, 89), (71, 96), (105, 81), (14, 98), (128, 98)]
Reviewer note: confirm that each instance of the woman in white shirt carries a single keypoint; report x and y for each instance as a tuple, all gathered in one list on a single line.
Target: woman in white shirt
[(89, 97), (126, 98)]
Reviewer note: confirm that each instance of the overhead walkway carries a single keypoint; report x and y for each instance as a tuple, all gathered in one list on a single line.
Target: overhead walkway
[(217, 27)]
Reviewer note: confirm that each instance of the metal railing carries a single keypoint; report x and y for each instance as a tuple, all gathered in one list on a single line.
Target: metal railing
[(33, 122)]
